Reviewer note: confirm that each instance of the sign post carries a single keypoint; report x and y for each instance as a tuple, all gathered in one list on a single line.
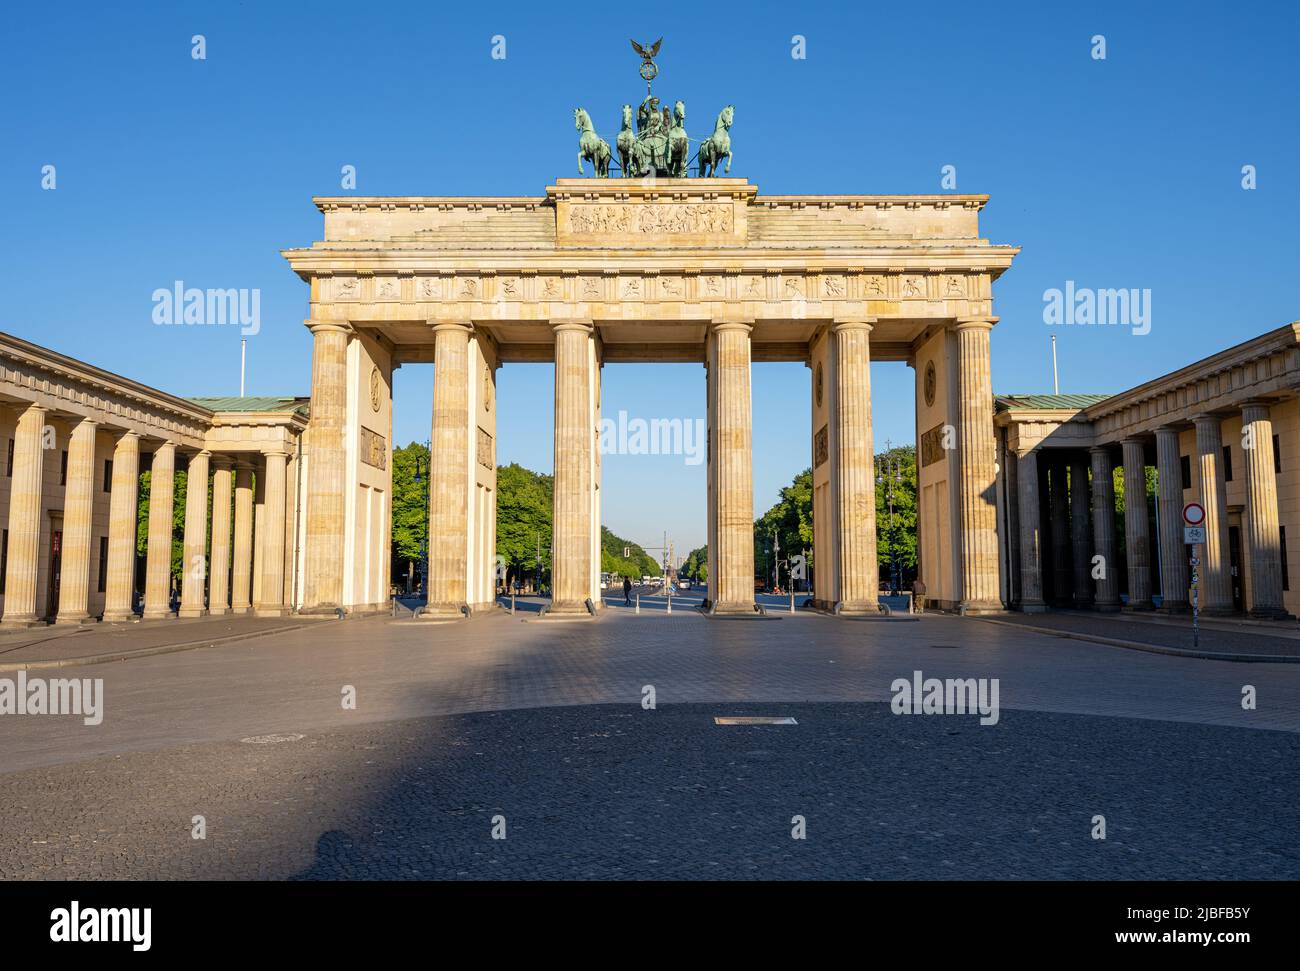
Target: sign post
[(1194, 535)]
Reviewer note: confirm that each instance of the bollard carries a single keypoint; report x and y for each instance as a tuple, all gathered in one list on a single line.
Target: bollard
[(638, 603), (512, 605), (792, 600), (670, 603)]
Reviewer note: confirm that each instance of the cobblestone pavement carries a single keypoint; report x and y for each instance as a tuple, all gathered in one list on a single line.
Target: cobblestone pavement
[(615, 791), (541, 721)]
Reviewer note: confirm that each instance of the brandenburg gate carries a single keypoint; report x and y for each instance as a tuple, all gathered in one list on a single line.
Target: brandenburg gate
[(648, 269)]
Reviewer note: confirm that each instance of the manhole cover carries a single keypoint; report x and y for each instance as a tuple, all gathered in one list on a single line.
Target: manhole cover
[(272, 739), (753, 720)]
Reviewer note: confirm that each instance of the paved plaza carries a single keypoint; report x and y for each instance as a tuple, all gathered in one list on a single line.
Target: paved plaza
[(538, 726)]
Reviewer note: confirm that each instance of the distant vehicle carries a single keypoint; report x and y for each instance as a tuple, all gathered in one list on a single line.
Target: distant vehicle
[(604, 581), (683, 584), (645, 578)]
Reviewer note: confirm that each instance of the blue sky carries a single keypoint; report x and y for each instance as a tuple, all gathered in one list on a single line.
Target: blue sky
[(1124, 172)]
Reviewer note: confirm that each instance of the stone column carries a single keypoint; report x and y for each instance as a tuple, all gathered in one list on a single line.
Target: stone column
[(1216, 568), (1174, 580), (976, 482), (219, 567), (272, 537), (323, 582), (855, 480), (1136, 538), (1059, 511), (25, 519), (1263, 535), (194, 566), (241, 570), (731, 483), (1103, 529), (450, 470), (123, 512), (1031, 532), (78, 507), (1080, 533), (571, 564), (158, 563)]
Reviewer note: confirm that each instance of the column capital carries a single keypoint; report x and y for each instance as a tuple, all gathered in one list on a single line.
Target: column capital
[(1099, 449), (976, 323), (731, 323), (275, 450), (1170, 429), (1139, 440), (128, 434), (328, 326), (855, 323), (1206, 418), (84, 421), (222, 462), (1258, 405), (459, 325), (584, 324)]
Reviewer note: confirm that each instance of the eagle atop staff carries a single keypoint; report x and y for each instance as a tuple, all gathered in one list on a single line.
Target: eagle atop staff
[(647, 55)]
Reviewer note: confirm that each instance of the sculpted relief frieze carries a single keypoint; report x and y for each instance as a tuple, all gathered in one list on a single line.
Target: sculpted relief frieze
[(656, 219)]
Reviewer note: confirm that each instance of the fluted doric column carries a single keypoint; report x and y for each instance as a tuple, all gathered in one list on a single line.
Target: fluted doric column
[(1106, 595), (272, 537), (1174, 578), (1136, 534), (1263, 535), (1031, 532), (241, 568), (1216, 566), (194, 564), (976, 476), (78, 509), (158, 561), (854, 469), (25, 519), (219, 567), (323, 582), (449, 470), (575, 376), (731, 463), (1080, 533), (123, 512)]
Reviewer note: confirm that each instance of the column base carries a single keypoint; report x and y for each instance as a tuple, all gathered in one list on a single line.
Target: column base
[(1082, 603), (732, 607), (193, 612), (569, 608), (1107, 606), (975, 608), (118, 616), (270, 610), (1269, 613), (1139, 606), (1033, 607), (1219, 611), (248, 608), (858, 608), (72, 620), (317, 610), (1175, 607), (218, 611), (164, 614), (20, 622)]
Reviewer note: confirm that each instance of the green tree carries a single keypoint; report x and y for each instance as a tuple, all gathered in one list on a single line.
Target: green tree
[(524, 503), (790, 521), (696, 565), (410, 507), (896, 469), (638, 564)]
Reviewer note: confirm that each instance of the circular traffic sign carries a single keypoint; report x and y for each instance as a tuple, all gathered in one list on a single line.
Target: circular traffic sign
[(1193, 514)]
